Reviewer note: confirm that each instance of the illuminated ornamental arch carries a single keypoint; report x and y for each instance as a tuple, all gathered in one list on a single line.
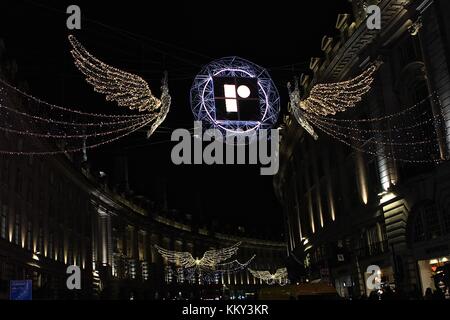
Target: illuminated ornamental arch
[(235, 96)]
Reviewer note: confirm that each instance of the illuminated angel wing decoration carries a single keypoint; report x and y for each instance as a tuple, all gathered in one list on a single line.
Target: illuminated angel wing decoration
[(212, 257), (279, 275), (330, 98), (165, 106), (263, 275), (126, 89), (183, 259)]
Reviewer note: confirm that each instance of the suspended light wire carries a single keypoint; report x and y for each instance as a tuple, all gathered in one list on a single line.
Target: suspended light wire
[(80, 149), (64, 109), (35, 127)]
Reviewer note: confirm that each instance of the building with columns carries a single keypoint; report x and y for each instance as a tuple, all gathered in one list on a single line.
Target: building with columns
[(55, 212), (346, 210)]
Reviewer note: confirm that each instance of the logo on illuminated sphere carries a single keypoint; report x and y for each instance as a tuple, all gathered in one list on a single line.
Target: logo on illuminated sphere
[(235, 96)]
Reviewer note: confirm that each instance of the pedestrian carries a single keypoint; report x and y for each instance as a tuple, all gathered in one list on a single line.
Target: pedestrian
[(428, 294)]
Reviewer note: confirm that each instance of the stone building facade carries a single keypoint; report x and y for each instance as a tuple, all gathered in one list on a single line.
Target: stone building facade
[(346, 210)]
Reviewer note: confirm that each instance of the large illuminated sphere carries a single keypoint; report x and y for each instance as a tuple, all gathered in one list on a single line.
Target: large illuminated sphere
[(235, 96)]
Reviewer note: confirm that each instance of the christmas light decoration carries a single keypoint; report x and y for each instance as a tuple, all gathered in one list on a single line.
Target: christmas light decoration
[(40, 128), (210, 266), (211, 275), (233, 266), (329, 99), (209, 260), (237, 82), (280, 276), (36, 100), (404, 136), (126, 89), (47, 129)]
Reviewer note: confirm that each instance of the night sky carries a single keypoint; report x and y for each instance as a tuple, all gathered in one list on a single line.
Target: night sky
[(180, 37)]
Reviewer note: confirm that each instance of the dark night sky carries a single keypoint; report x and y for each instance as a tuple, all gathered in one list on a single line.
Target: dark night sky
[(179, 36)]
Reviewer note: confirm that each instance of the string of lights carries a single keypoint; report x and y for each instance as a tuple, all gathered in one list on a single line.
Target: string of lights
[(428, 120), (74, 123), (75, 136), (64, 109), (85, 147), (385, 153), (386, 117), (388, 141), (416, 143), (57, 132), (233, 266)]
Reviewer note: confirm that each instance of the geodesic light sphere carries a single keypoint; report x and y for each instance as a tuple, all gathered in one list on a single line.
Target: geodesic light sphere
[(235, 96)]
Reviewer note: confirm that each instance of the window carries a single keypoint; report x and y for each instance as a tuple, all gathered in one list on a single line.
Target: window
[(432, 222), (419, 229), (61, 247), (3, 221), (40, 242), (50, 245), (324, 198), (29, 235), (427, 223), (141, 245), (446, 221), (130, 241), (17, 229)]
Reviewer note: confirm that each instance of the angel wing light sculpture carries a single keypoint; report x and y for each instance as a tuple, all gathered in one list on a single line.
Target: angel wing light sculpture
[(126, 89), (329, 98), (212, 263), (280, 276), (210, 259)]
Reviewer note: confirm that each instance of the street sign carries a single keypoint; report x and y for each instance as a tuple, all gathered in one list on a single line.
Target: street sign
[(20, 290)]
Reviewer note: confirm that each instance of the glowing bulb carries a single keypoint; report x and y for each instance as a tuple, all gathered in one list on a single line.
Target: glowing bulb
[(243, 91)]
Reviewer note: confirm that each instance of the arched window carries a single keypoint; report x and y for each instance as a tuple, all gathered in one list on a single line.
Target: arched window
[(428, 222)]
